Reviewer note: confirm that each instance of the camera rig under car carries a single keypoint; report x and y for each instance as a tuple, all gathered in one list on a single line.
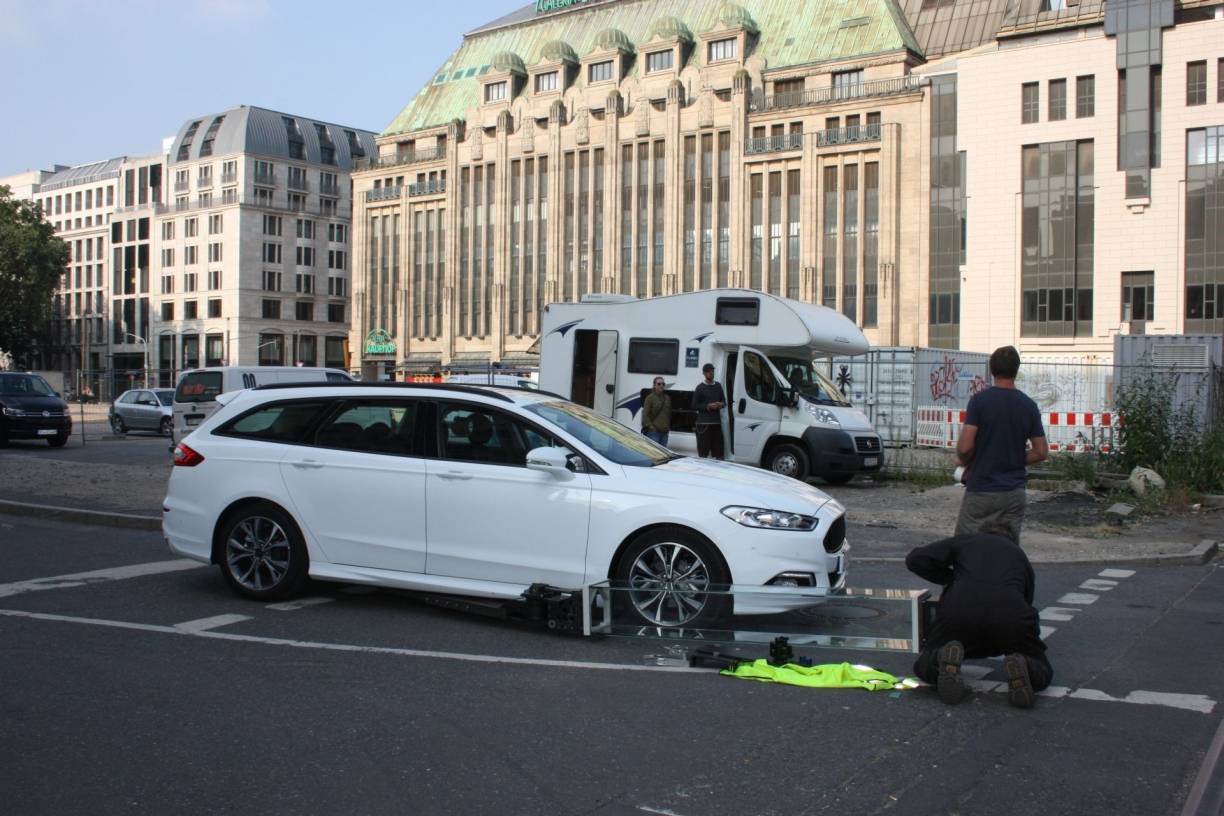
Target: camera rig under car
[(558, 610)]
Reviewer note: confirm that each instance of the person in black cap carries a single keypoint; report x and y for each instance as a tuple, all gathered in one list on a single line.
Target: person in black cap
[(708, 402), (986, 609)]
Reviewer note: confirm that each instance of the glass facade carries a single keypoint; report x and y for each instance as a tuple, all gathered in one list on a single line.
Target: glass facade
[(946, 213), (1205, 230)]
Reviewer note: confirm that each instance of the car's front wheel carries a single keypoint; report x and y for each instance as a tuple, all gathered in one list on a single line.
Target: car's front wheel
[(58, 441), (117, 424), (263, 556), (665, 578), (167, 425)]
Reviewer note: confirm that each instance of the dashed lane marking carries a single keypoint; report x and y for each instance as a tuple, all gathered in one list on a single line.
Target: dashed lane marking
[(1078, 598), (300, 603), (1046, 631), (1189, 702), (1058, 613), (1116, 573), (97, 576), (1098, 585), (214, 622)]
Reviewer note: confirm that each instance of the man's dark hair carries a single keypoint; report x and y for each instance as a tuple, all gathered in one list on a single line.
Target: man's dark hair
[(1005, 363), (998, 528)]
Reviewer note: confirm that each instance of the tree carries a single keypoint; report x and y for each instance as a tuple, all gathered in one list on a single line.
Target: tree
[(31, 262)]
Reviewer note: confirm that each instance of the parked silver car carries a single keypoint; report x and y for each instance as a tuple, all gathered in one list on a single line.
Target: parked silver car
[(143, 409)]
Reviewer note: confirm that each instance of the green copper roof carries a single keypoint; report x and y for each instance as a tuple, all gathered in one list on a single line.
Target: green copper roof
[(792, 32)]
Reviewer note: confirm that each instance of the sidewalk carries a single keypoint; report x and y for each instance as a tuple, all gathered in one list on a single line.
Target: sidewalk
[(886, 519)]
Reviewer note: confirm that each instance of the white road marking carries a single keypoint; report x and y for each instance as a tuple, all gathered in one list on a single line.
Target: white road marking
[(1098, 585), (1187, 702), (1078, 598), (97, 576), (1046, 631), (301, 603), (1116, 573), (211, 623), (1057, 613)]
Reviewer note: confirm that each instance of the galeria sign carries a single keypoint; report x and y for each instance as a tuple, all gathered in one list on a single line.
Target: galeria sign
[(544, 6), (379, 342)]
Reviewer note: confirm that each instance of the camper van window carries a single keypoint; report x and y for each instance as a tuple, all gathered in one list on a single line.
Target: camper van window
[(737, 312), (805, 377), (654, 356)]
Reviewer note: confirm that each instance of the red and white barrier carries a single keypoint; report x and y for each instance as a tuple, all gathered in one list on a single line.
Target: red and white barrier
[(1066, 431)]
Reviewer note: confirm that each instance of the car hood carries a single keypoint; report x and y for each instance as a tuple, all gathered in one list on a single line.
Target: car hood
[(749, 486), (34, 402)]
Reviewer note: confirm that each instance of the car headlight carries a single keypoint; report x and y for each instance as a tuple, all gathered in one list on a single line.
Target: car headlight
[(770, 519), (12, 411), (823, 415)]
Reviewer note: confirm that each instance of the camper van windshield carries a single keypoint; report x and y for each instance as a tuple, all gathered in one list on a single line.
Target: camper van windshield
[(805, 377), (613, 440)]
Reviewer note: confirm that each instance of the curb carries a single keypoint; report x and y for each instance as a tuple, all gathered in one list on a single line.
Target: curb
[(1197, 555), (75, 515)]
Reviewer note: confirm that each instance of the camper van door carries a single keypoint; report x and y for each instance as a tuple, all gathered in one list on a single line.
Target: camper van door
[(605, 373), (757, 412)]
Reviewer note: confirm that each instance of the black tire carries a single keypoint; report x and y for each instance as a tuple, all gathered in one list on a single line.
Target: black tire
[(118, 426), (661, 600), (166, 428), (261, 553), (787, 459), (58, 441), (838, 478)]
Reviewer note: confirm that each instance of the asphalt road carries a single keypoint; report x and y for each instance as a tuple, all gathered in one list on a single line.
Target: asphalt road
[(163, 692)]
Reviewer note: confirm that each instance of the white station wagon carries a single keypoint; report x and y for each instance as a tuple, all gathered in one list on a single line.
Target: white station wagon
[(482, 491)]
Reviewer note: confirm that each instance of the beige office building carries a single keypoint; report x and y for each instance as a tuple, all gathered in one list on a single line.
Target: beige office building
[(644, 148)]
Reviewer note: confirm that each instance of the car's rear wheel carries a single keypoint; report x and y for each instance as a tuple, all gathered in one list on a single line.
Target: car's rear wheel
[(166, 427), (117, 424), (58, 441), (262, 555), (788, 460), (667, 575)]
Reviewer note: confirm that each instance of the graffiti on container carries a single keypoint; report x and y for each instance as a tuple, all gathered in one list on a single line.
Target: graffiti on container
[(844, 379), (951, 382), (1065, 386)]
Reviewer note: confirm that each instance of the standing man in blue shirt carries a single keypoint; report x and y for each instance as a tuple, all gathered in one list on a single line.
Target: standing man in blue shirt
[(1001, 437)]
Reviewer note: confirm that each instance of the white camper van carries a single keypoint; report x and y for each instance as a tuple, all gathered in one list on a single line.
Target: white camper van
[(195, 396), (782, 412)]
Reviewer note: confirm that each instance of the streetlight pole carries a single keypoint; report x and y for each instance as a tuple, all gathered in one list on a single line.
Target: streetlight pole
[(145, 342)]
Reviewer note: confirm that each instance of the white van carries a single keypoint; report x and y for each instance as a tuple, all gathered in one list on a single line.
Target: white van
[(782, 412), (509, 380), (195, 397)]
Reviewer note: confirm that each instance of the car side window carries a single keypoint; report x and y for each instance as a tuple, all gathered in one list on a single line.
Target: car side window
[(274, 422), (377, 426), (127, 398)]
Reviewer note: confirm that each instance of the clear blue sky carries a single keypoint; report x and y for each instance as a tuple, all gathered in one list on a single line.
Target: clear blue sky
[(86, 80)]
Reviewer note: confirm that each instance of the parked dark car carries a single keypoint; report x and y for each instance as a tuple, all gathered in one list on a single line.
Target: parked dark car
[(31, 409)]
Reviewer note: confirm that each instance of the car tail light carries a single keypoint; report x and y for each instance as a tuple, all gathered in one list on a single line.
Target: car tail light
[(186, 457)]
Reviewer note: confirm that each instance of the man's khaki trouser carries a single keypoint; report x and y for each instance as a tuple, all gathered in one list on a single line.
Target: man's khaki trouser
[(979, 509)]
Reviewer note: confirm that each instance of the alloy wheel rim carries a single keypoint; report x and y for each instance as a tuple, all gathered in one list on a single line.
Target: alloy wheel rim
[(668, 584), (257, 553)]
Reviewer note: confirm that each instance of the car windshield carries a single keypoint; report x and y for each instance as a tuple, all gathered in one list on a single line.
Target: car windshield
[(24, 385), (806, 378), (165, 397), (609, 438)]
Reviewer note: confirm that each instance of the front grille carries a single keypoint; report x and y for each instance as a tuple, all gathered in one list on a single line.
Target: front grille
[(836, 535), (867, 444)]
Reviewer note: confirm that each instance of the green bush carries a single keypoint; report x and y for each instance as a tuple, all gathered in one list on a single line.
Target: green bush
[(1184, 448)]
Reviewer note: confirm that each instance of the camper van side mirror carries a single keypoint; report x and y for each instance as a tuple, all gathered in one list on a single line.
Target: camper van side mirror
[(788, 397)]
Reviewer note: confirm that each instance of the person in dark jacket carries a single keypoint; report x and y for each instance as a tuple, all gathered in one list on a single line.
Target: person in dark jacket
[(986, 609), (708, 401)]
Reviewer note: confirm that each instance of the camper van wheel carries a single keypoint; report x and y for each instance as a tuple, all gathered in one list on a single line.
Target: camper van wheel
[(788, 460)]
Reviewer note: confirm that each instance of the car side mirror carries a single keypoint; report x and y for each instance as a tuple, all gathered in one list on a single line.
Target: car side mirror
[(788, 397), (549, 460)]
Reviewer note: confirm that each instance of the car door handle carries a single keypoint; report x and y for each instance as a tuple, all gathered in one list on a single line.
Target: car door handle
[(457, 475), (307, 463)]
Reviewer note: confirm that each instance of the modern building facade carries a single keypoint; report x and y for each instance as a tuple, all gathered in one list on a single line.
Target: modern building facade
[(882, 158), (643, 148), (251, 248)]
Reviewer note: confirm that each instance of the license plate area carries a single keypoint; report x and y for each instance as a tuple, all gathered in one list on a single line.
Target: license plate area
[(871, 461), (193, 419), (47, 432)]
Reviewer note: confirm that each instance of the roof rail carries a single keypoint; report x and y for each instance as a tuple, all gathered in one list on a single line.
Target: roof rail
[(463, 388)]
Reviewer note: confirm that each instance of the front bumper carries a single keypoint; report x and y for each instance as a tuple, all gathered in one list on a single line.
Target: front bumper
[(36, 426), (832, 451)]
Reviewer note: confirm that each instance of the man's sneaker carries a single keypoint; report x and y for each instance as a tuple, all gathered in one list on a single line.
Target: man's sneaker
[(950, 685), (1019, 687)]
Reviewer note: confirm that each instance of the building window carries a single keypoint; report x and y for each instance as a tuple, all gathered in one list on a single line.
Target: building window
[(1196, 83), (495, 91), (335, 286), (335, 259), (1030, 102), (546, 82), (336, 233), (1058, 100), (1057, 242), (191, 310), (722, 49), (191, 255), (216, 223), (305, 228), (271, 280), (1204, 237), (271, 309), (214, 307), (271, 252), (296, 202), (167, 230), (600, 71), (1138, 296), (1220, 79), (1085, 96), (167, 284), (214, 252), (304, 310), (305, 256), (305, 284), (190, 282), (297, 145), (191, 228), (167, 311), (335, 313), (659, 61), (271, 349), (214, 279), (168, 257), (271, 225), (847, 84)]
